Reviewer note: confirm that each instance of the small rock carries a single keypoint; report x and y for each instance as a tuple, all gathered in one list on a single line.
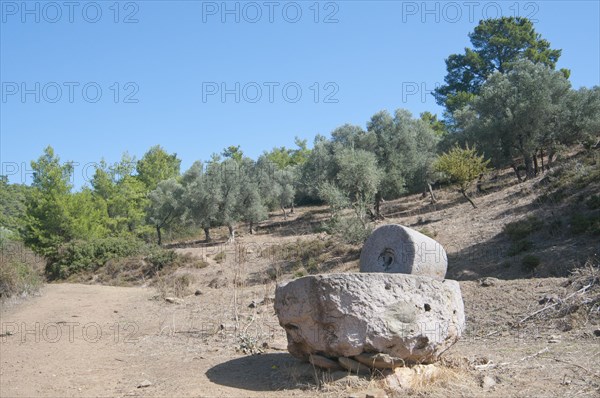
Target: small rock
[(554, 339), (379, 361), (218, 283), (338, 375), (173, 300), (252, 304), (549, 298), (197, 293), (487, 282), (377, 393), (401, 378), (323, 362), (354, 366), (488, 382), (144, 384), (278, 347)]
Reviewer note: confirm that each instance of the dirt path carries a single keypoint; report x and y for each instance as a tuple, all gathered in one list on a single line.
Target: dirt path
[(85, 340), (100, 341)]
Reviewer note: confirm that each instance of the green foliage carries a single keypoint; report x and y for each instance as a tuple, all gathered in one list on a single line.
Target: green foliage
[(220, 257), (462, 166), (359, 176), (532, 98), (334, 197), (20, 269), (166, 205), (157, 165), (124, 194), (159, 257), (530, 262), (518, 247), (283, 157), (233, 152), (428, 232), (201, 197), (593, 203), (350, 229), (12, 204), (585, 223), (299, 274), (47, 222), (89, 255), (405, 148), (521, 229), (438, 126), (497, 45)]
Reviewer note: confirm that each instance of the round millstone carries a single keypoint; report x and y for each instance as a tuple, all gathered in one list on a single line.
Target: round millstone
[(397, 249)]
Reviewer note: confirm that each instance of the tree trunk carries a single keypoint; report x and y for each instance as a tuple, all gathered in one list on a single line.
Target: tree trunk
[(292, 210), (464, 193), (207, 234), (284, 213), (516, 169), (378, 205), (433, 198), (529, 170), (550, 157), (251, 228), (480, 184), (542, 159), (535, 163), (158, 234), (231, 234)]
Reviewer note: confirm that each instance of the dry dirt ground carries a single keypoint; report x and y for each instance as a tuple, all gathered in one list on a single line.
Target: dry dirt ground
[(222, 338)]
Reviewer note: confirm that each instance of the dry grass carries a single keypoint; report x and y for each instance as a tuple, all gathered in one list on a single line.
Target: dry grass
[(21, 271), (177, 285)]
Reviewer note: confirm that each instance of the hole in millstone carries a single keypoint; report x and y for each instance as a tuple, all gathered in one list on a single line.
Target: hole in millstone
[(386, 258), (427, 307)]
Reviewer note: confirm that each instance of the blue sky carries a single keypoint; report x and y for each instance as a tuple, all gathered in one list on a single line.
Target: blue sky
[(114, 77)]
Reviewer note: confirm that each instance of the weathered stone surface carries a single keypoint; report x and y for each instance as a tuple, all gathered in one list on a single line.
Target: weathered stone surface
[(323, 362), (414, 318), (354, 366), (379, 361), (395, 248)]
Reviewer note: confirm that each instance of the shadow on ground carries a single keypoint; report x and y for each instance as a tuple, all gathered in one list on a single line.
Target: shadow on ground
[(265, 372)]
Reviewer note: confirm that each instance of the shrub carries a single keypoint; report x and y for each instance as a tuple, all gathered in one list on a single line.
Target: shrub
[(462, 166), (160, 257), (427, 232), (582, 223), (220, 257), (20, 269), (350, 230), (593, 203), (523, 228), (519, 247), (173, 284), (299, 273), (82, 256), (530, 262)]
